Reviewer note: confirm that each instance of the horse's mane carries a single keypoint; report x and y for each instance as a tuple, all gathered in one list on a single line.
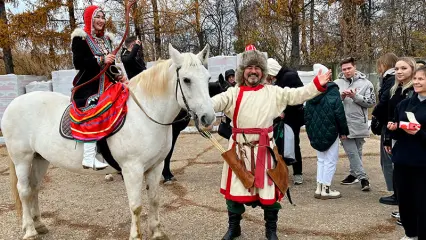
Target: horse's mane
[(154, 81)]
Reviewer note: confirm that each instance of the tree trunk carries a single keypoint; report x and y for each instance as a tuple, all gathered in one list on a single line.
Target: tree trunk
[(136, 18), (70, 4), (295, 31), (348, 28), (157, 39), (7, 50), (311, 27), (239, 45), (304, 44), (200, 33)]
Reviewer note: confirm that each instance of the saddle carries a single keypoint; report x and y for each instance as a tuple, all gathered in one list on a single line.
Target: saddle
[(102, 145)]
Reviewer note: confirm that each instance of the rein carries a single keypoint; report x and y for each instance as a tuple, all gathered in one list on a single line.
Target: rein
[(127, 13), (188, 110)]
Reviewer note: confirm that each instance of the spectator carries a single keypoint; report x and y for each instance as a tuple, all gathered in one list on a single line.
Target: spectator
[(325, 123), (292, 115), (132, 57), (408, 156), (357, 93), (385, 67)]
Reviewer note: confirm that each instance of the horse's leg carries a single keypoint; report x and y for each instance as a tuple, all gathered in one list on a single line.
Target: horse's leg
[(152, 181), (38, 171), (23, 172), (133, 180)]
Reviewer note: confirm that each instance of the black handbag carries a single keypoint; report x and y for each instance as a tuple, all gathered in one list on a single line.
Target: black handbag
[(376, 126), (225, 129)]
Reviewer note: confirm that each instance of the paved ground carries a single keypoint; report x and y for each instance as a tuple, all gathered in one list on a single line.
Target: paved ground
[(86, 207)]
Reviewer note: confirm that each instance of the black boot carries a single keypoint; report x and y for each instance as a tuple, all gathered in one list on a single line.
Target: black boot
[(271, 218), (234, 229)]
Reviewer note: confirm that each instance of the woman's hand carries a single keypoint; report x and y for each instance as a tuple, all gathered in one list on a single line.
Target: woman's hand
[(412, 132), (388, 149), (392, 126), (122, 79), (343, 137), (110, 58), (324, 78)]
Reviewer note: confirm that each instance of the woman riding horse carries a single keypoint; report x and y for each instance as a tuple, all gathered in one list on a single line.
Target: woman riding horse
[(98, 105)]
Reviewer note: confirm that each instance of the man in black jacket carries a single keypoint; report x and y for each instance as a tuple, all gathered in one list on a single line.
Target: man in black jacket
[(292, 115), (132, 57)]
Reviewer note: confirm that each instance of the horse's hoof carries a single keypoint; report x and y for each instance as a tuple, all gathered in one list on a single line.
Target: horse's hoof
[(160, 236), (42, 230), (31, 234), (33, 237)]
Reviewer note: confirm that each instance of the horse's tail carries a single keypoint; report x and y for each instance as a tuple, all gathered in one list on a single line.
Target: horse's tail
[(14, 188)]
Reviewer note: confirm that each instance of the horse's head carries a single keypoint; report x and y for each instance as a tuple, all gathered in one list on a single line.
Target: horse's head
[(193, 78)]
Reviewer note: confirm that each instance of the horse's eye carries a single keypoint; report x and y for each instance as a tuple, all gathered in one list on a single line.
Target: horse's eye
[(186, 80)]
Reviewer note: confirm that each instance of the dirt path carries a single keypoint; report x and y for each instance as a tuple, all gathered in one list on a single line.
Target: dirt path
[(88, 208)]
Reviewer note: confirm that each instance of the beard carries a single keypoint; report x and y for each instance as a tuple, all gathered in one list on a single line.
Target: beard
[(252, 79)]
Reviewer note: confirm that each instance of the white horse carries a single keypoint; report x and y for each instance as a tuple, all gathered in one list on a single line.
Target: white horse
[(30, 126)]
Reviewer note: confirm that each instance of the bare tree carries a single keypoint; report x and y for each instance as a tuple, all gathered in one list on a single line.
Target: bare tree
[(6, 43)]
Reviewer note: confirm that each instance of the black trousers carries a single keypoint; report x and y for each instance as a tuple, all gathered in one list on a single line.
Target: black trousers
[(176, 129), (297, 166), (411, 191)]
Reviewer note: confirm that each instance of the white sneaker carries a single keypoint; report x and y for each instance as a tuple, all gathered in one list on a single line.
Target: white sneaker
[(327, 193), (89, 157), (318, 191), (409, 238), (298, 179)]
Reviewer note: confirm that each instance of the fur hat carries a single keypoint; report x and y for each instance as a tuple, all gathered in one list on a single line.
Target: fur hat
[(248, 58)]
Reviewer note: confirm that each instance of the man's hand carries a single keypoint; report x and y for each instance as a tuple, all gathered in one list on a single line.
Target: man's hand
[(282, 115), (110, 58), (138, 42), (324, 78), (343, 137), (350, 93)]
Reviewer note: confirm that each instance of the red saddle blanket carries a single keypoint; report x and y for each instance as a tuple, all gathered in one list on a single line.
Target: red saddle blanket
[(95, 122)]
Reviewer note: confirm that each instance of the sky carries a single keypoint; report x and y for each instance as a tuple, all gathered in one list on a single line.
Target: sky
[(15, 9)]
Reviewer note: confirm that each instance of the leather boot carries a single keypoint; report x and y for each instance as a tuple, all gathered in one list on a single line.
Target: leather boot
[(234, 228), (271, 218)]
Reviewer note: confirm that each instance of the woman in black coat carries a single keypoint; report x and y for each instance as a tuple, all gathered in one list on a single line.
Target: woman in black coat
[(385, 67), (409, 158), (92, 51), (292, 115)]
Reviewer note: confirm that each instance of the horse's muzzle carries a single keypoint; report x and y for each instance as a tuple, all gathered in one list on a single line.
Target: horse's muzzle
[(207, 119)]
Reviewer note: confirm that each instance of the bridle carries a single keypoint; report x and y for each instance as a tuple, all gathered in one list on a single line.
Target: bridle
[(189, 112)]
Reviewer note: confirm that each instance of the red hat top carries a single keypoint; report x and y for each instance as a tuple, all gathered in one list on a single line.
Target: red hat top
[(250, 47), (88, 15)]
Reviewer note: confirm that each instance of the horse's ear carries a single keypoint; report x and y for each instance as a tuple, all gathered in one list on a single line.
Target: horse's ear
[(204, 55), (175, 55)]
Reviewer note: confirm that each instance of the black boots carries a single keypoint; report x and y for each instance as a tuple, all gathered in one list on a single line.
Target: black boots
[(234, 229), (271, 218)]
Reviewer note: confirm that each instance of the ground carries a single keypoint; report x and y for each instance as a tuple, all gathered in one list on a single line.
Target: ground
[(88, 208)]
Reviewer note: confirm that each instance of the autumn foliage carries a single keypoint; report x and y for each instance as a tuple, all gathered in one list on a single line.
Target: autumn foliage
[(295, 32)]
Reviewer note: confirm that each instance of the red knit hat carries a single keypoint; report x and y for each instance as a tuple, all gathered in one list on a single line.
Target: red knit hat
[(88, 15), (250, 47)]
